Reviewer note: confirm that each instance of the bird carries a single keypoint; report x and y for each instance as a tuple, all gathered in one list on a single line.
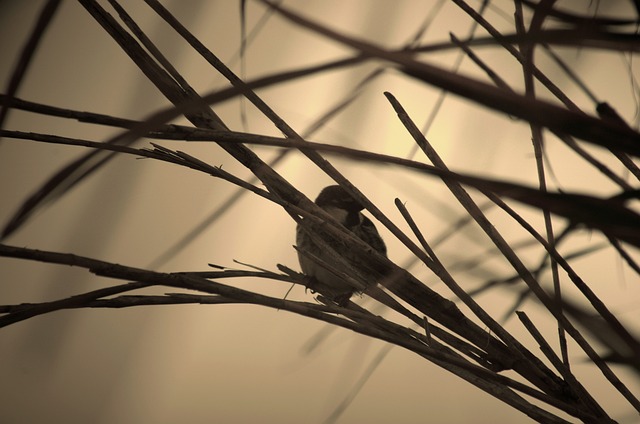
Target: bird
[(338, 203)]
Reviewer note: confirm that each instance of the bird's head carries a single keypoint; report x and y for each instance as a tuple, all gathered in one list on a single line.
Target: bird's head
[(336, 196)]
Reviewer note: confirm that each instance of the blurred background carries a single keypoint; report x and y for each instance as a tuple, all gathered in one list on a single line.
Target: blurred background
[(244, 363)]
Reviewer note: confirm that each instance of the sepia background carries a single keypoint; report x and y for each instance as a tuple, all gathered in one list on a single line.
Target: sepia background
[(244, 363)]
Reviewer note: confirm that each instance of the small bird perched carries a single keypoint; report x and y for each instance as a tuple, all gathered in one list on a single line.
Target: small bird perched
[(347, 211)]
